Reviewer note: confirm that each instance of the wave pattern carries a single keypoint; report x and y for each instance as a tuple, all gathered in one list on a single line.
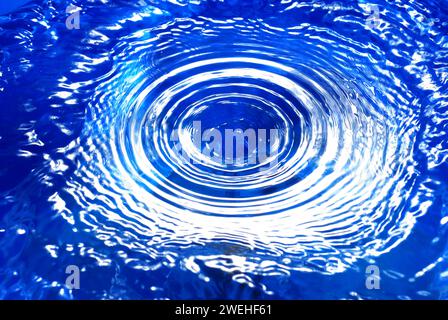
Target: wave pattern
[(349, 97), (343, 154)]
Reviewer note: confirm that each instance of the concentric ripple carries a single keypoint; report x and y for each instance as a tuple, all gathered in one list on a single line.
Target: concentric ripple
[(336, 185), (115, 154)]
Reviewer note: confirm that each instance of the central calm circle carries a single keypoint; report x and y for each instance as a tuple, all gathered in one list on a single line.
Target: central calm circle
[(233, 133)]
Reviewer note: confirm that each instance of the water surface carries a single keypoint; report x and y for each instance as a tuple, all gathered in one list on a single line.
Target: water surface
[(356, 174)]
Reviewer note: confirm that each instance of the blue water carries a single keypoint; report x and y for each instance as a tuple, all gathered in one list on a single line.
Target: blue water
[(354, 176)]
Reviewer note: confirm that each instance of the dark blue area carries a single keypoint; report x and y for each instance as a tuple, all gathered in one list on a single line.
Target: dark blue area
[(6, 7)]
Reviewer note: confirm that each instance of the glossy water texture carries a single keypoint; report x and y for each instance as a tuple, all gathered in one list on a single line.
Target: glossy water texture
[(89, 174)]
